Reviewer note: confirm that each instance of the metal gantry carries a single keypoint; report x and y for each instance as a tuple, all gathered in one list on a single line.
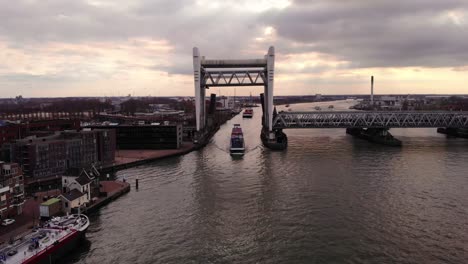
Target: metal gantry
[(233, 72), (376, 119), (234, 78)]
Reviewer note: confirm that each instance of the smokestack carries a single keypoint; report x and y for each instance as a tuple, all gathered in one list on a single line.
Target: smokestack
[(372, 90)]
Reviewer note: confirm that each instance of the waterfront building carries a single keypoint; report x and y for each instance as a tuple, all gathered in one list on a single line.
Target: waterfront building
[(81, 183), (11, 190), (73, 200), (51, 156), (144, 136)]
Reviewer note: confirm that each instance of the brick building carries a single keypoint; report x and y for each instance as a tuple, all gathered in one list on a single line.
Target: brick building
[(43, 157), (10, 131), (11, 190)]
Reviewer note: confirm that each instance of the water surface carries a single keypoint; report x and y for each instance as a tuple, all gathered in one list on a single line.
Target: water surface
[(329, 198)]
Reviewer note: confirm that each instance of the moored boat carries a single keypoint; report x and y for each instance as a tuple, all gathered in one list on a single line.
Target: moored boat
[(237, 145), (48, 243), (248, 113)]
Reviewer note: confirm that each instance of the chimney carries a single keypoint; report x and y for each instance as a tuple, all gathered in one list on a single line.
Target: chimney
[(372, 90)]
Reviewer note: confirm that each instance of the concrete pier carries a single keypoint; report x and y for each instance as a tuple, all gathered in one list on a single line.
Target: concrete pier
[(453, 132), (375, 135), (276, 140)]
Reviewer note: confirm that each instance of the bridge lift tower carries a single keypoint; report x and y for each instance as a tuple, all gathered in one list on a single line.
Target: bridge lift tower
[(251, 72)]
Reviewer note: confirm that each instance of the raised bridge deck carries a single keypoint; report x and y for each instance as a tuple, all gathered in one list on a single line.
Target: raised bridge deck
[(370, 119)]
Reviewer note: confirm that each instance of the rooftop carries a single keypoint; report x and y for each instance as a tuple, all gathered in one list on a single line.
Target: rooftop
[(72, 195), (83, 179), (51, 201)]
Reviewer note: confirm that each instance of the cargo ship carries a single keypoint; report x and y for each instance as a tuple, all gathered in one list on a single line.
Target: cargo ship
[(248, 113), (48, 243), (237, 147)]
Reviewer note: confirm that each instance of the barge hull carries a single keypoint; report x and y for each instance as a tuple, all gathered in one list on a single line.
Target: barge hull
[(55, 252)]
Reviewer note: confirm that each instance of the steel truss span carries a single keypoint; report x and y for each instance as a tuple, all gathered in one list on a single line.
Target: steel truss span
[(379, 119), (234, 78)]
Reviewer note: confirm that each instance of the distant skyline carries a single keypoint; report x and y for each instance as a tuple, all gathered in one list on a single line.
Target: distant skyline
[(56, 48)]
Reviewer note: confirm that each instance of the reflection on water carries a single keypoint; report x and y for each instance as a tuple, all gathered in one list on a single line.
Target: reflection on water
[(329, 198)]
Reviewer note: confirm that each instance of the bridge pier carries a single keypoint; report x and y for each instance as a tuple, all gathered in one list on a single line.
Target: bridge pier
[(275, 140), (454, 132), (376, 135)]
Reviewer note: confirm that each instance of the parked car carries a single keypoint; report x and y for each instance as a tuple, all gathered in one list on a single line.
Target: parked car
[(12, 252), (6, 222)]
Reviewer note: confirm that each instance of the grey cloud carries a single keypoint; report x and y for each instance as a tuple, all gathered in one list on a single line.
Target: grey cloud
[(366, 33), (33, 78), (180, 22), (376, 33)]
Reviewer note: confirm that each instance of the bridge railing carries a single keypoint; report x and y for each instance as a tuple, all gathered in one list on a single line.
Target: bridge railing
[(371, 119)]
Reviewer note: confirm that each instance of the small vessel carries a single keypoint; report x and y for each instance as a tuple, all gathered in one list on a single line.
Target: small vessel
[(318, 108), (237, 147), (248, 113), (330, 107), (48, 243), (287, 105)]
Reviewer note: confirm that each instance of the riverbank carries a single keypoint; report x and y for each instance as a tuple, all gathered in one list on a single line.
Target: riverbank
[(109, 191), (133, 157), (129, 158)]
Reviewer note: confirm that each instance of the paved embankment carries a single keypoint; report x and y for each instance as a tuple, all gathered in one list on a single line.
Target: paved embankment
[(133, 157), (112, 190)]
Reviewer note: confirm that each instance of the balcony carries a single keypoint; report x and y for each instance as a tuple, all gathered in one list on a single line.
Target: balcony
[(4, 189), (16, 195), (17, 202)]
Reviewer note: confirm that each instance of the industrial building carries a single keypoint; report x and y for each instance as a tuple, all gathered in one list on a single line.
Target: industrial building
[(42, 157), (10, 131), (144, 136)]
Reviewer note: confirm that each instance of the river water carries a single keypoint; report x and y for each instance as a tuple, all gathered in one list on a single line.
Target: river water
[(329, 198)]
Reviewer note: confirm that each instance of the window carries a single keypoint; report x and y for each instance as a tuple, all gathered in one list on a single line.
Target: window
[(66, 204)]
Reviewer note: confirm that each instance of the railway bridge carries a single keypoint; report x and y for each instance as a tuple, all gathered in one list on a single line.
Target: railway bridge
[(372, 125), (371, 119)]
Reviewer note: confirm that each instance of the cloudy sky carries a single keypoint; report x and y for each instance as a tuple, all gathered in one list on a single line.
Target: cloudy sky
[(144, 47)]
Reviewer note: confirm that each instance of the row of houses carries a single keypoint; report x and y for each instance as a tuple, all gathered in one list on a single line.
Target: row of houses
[(77, 192)]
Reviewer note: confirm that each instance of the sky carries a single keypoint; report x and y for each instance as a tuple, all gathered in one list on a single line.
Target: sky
[(55, 48)]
